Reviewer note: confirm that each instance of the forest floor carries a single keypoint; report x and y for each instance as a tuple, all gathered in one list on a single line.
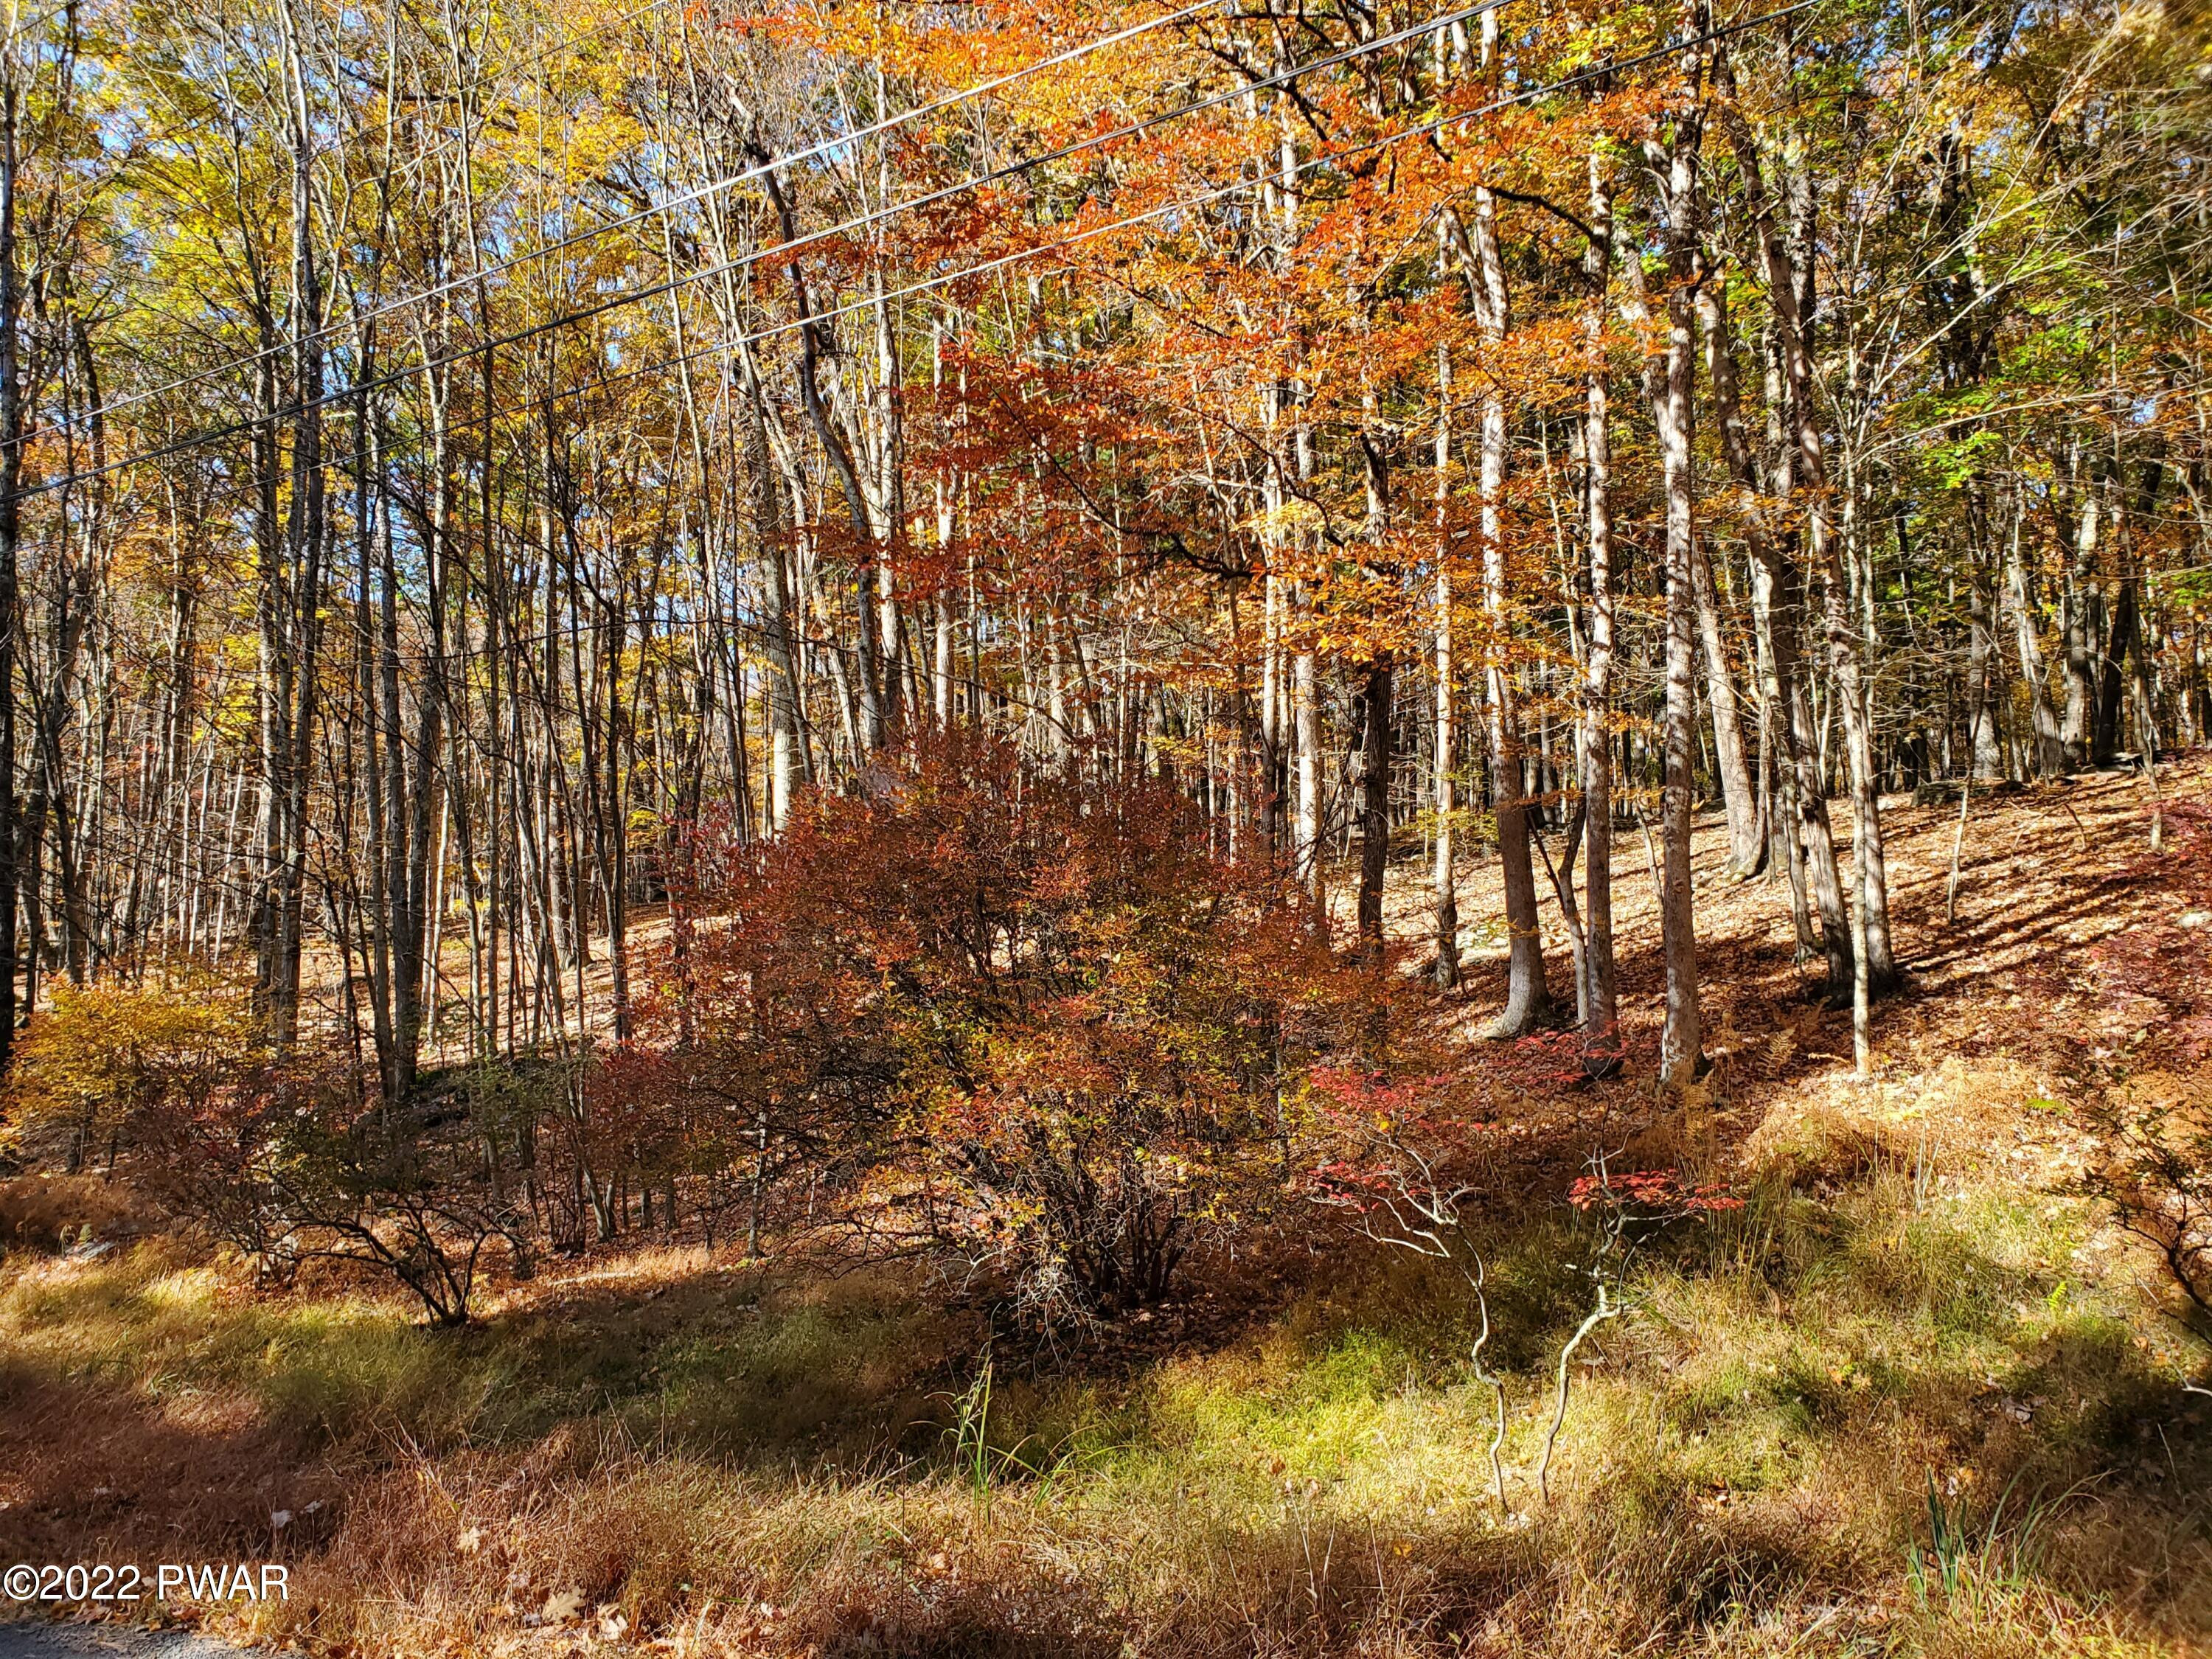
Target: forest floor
[(1917, 1395)]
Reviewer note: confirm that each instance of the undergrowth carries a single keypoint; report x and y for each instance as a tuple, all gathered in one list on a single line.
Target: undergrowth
[(1896, 1416)]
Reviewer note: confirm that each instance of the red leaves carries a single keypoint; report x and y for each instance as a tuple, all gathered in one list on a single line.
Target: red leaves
[(1652, 1195), (1407, 1102), (1027, 1012)]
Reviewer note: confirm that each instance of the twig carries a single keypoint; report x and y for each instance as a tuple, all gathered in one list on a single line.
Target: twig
[(1606, 1309), (1563, 888), (1496, 1383), (1650, 852), (2150, 777), (2037, 822), (1430, 1220), (1958, 842)]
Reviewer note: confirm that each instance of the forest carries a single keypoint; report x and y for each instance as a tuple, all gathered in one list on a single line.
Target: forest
[(1284, 827)]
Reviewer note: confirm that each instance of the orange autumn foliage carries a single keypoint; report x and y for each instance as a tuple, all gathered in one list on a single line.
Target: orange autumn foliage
[(1024, 1026)]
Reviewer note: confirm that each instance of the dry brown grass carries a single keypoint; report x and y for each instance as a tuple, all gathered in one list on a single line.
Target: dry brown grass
[(44, 1212)]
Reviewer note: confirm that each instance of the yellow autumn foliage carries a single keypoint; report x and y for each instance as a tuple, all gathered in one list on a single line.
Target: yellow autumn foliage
[(95, 1070)]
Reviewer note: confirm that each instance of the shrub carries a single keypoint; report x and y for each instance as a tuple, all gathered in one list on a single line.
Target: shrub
[(1019, 1023), (413, 1190), (286, 1159), (113, 1068)]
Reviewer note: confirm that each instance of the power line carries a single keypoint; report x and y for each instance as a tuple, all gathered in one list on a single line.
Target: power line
[(696, 193), (69, 421), (1205, 197), (414, 163), (635, 296), (1179, 205)]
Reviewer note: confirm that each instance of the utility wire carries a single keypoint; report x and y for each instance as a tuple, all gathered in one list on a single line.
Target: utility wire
[(1180, 204), (635, 296), (578, 239)]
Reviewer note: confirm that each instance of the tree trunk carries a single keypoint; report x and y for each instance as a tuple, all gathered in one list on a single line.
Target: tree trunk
[(1602, 1045), (1783, 288), (1374, 802), (872, 732), (1528, 997), (1305, 722), (1982, 743), (785, 698), (1747, 846), (1777, 608), (1444, 881), (1681, 1041), (2049, 750), (2075, 727), (2112, 678), (11, 475)]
